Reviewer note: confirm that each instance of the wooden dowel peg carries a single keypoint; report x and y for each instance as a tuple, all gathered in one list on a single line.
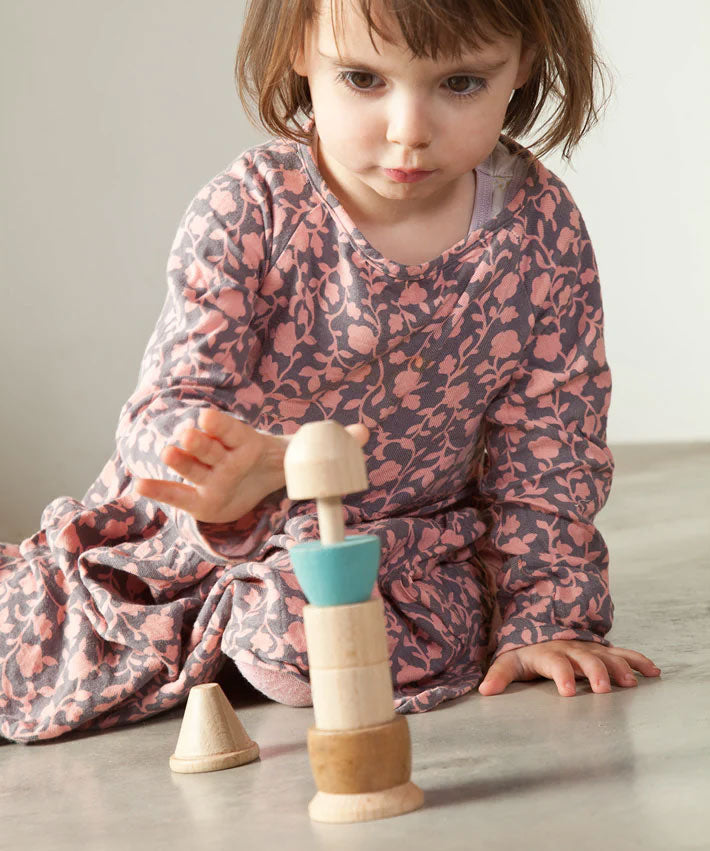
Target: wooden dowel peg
[(331, 519)]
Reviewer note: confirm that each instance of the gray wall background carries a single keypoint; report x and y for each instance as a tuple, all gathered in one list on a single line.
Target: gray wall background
[(115, 114)]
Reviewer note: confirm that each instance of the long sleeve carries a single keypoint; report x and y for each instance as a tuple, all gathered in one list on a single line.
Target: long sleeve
[(548, 470), (203, 348)]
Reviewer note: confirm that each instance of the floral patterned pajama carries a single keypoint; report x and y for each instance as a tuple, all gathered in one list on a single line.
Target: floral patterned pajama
[(483, 377)]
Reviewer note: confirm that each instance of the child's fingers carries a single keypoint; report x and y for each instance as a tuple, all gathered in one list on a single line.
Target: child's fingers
[(173, 493), (501, 673), (226, 428), (232, 431), (494, 683), (360, 432), (596, 671), (636, 660), (202, 447), (184, 464), (557, 667), (620, 670)]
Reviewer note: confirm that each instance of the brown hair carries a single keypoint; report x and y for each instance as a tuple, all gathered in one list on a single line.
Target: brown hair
[(565, 70)]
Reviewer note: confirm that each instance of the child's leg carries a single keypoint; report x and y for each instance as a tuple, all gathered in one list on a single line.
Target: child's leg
[(108, 616), (265, 637), (438, 609), (98, 623)]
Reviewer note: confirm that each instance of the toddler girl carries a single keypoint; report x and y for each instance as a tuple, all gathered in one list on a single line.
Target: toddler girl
[(392, 262)]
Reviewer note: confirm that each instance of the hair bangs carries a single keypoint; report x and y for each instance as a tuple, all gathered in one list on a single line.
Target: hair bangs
[(432, 28)]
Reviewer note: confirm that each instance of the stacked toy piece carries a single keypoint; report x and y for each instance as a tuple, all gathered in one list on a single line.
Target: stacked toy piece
[(211, 737), (359, 749)]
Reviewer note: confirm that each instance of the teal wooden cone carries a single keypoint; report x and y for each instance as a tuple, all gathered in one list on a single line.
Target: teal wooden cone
[(337, 574)]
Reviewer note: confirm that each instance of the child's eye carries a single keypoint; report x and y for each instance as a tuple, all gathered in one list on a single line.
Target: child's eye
[(465, 85), (361, 81), (459, 86)]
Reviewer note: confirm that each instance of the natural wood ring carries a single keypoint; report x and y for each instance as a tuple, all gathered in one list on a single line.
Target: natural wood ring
[(369, 759)]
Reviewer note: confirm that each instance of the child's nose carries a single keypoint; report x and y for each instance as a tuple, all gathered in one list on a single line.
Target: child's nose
[(408, 123)]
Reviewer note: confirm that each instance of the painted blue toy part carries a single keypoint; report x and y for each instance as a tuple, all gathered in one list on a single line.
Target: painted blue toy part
[(337, 574)]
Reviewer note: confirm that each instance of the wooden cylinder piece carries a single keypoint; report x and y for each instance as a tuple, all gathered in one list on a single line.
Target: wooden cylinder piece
[(350, 698), (355, 761), (346, 636)]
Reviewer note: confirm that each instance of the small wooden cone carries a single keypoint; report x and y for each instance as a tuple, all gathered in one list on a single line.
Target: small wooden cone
[(211, 736)]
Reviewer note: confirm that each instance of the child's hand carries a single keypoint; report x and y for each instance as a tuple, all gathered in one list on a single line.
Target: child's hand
[(232, 465), (562, 660)]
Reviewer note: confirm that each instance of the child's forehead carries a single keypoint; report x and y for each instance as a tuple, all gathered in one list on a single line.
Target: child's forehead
[(342, 30)]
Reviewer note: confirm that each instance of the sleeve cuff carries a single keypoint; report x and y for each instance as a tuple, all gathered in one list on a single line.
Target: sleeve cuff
[(241, 539)]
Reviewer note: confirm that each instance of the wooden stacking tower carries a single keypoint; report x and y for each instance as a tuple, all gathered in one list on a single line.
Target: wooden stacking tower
[(359, 749)]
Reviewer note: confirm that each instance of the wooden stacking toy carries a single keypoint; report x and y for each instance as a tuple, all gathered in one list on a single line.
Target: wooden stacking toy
[(211, 735), (359, 749)]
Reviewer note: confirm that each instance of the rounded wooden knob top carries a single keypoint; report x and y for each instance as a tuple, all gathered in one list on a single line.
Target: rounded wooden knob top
[(324, 460)]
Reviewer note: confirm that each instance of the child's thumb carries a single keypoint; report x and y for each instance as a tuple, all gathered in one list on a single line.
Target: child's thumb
[(360, 432)]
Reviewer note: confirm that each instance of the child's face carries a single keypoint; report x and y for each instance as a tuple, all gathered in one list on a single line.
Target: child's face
[(388, 110)]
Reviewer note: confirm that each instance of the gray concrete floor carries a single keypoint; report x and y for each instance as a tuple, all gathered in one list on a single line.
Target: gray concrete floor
[(525, 769)]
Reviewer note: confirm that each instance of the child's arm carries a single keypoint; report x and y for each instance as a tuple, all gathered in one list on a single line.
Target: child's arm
[(547, 475), (202, 351), (195, 385)]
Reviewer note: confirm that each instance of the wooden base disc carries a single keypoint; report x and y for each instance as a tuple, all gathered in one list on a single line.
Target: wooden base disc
[(214, 762), (366, 806)]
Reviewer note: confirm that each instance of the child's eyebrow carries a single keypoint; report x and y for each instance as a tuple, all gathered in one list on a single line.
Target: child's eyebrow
[(467, 66)]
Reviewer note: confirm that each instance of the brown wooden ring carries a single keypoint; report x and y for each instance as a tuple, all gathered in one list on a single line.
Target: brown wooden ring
[(370, 759)]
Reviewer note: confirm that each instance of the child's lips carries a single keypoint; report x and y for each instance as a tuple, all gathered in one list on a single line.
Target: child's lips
[(407, 175)]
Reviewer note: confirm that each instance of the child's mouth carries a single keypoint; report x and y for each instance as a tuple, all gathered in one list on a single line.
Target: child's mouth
[(406, 176)]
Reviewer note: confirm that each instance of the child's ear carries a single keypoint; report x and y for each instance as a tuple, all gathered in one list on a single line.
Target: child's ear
[(528, 52)]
